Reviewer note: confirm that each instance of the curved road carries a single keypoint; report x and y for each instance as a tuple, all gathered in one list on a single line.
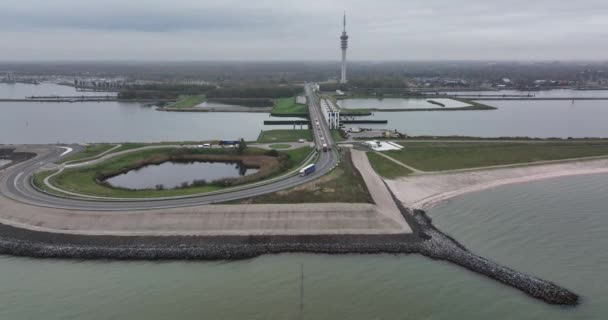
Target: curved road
[(15, 181)]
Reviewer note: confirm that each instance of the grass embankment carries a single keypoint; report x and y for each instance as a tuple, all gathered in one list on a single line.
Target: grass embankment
[(438, 156), (354, 112), (336, 135), (38, 180), (385, 167), (271, 136), (89, 151), (287, 107), (86, 180), (343, 184), (279, 146), (185, 102)]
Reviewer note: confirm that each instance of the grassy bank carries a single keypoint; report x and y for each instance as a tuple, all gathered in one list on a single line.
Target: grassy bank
[(355, 112), (185, 102), (438, 156), (86, 180), (385, 167), (271, 136), (280, 146), (337, 136), (343, 184), (289, 107)]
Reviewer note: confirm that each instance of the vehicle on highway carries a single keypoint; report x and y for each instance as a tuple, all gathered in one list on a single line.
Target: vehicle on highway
[(301, 140), (325, 147), (207, 145), (307, 170)]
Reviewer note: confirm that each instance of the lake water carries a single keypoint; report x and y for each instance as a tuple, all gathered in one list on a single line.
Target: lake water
[(22, 90), (38, 122), (393, 103), (173, 174), (555, 229), (32, 122), (512, 118), (559, 93)]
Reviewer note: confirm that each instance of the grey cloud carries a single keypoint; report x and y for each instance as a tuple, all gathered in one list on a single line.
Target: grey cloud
[(278, 29)]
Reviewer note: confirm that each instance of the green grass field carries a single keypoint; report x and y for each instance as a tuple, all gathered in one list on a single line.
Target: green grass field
[(343, 184), (271, 136), (439, 156), (83, 180), (280, 146), (288, 106), (355, 111), (385, 167), (335, 134), (188, 101)]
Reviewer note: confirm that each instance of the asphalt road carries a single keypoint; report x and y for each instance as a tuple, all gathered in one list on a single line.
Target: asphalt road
[(15, 181)]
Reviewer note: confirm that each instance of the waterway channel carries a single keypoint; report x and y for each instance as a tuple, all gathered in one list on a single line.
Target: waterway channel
[(541, 119), (83, 122), (173, 174), (396, 103)]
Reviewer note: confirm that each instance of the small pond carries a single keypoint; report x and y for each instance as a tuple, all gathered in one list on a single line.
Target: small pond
[(174, 174)]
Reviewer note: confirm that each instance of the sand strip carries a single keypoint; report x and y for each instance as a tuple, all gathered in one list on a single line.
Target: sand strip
[(425, 191)]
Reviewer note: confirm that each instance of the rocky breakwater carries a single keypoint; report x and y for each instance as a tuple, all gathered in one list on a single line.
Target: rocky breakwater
[(425, 240), (442, 247)]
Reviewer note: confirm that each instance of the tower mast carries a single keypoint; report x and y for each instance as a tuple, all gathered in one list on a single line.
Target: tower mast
[(344, 46)]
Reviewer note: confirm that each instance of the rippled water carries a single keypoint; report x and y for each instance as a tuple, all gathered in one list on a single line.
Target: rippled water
[(173, 174), (392, 103), (555, 229), (512, 118), (559, 93)]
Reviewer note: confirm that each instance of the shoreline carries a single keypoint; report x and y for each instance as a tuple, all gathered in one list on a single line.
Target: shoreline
[(426, 240), (431, 202), (440, 187)]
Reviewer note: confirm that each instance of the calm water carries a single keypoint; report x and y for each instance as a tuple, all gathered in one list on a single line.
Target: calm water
[(80, 122), (173, 174), (133, 122), (512, 118), (555, 229), (35, 122), (21, 91), (392, 103), (561, 93)]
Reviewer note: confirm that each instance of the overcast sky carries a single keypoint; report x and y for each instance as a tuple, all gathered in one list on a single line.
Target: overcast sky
[(303, 30)]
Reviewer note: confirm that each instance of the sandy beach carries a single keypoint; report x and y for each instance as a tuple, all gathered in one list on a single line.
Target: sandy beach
[(427, 190)]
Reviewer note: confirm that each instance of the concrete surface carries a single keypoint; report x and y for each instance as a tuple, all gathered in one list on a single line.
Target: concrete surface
[(378, 190)]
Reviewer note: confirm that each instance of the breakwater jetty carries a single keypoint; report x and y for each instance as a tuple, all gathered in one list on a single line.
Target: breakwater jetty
[(426, 240)]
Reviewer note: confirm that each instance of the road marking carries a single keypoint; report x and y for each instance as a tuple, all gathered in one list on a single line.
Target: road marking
[(67, 150), (17, 178)]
